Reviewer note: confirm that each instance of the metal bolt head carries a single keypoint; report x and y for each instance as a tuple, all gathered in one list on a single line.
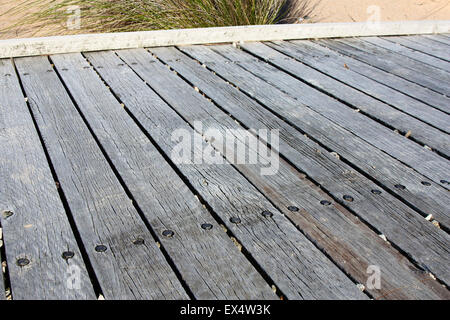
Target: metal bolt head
[(267, 214), (293, 208), (235, 220), (348, 198), (400, 186), (101, 248), (138, 241), (168, 233), (207, 226), (67, 255), (376, 191), (22, 262), (426, 183), (325, 202)]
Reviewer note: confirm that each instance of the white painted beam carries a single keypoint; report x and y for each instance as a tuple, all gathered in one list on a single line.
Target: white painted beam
[(127, 40)]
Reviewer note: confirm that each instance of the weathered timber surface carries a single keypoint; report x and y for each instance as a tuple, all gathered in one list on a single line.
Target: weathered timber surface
[(104, 215), (358, 100), (208, 260), (323, 59), (408, 52), (439, 38), (422, 44), (416, 79), (365, 156), (333, 175), (36, 230), (294, 264), (349, 242)]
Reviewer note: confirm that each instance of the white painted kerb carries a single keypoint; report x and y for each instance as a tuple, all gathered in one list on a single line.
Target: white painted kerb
[(127, 40)]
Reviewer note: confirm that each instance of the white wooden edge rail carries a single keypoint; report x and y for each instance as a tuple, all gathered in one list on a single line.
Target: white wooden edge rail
[(128, 40)]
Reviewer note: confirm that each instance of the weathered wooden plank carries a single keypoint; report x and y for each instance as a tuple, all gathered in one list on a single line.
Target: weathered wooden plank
[(370, 160), (411, 53), (422, 44), (321, 59), (2, 280), (421, 81), (401, 121), (35, 226), (439, 38), (216, 271), (301, 102), (104, 215), (351, 244), (296, 266)]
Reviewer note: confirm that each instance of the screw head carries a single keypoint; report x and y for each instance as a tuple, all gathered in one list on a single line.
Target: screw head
[(426, 183), (267, 214), (235, 220), (101, 248), (376, 191), (22, 262), (138, 241), (7, 214), (445, 182), (67, 255), (325, 202), (168, 233), (348, 198), (293, 208), (207, 226), (400, 186)]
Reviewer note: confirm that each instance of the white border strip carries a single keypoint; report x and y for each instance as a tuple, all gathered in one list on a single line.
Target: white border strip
[(128, 40)]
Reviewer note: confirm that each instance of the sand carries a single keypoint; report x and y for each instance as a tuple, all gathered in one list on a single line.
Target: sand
[(326, 11)]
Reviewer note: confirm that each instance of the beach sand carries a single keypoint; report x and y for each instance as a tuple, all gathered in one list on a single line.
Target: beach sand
[(326, 11)]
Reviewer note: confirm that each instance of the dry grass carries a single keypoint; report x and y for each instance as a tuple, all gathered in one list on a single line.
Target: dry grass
[(139, 15)]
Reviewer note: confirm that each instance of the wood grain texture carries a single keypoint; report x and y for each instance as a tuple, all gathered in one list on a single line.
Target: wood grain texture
[(374, 108), (439, 38), (2, 279), (35, 224), (294, 264), (323, 60), (103, 213), (208, 260), (424, 45), (350, 243), (401, 73), (411, 53), (319, 116), (334, 176)]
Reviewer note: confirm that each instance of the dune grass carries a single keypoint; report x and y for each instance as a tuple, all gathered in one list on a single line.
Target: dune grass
[(138, 15)]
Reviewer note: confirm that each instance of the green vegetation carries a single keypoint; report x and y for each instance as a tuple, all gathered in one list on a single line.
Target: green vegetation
[(138, 15)]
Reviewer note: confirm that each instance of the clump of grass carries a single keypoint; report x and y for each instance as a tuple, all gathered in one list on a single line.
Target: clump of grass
[(139, 15)]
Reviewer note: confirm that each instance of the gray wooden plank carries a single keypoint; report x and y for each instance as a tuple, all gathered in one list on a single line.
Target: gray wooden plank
[(321, 59), (301, 101), (421, 81), (216, 271), (333, 175), (439, 38), (33, 218), (103, 213), (424, 45), (397, 119), (332, 227), (2, 279), (293, 263), (411, 53)]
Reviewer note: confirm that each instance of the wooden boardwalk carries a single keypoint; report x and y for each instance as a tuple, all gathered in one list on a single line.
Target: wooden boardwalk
[(93, 202)]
